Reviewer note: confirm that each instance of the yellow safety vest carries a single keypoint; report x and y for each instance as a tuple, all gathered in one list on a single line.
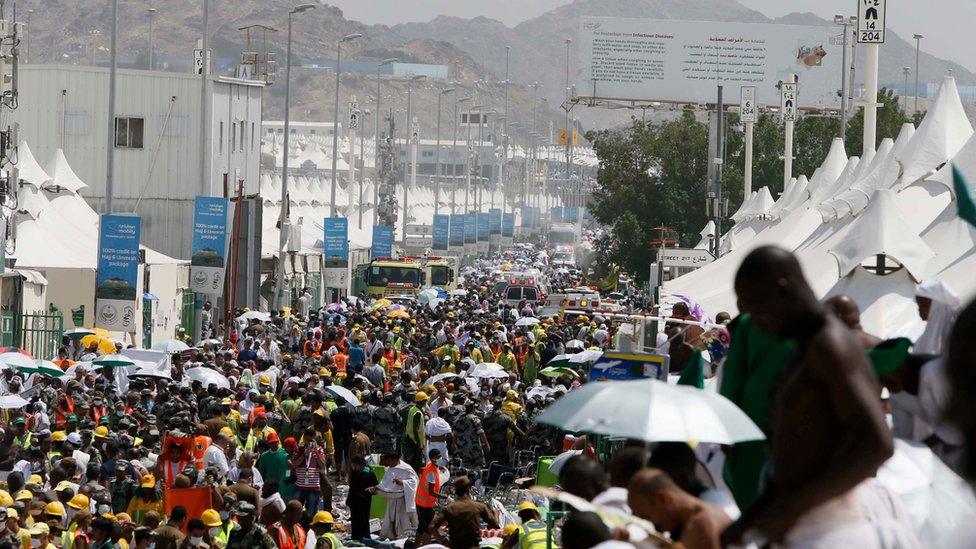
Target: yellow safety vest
[(414, 414), (533, 535), (334, 540)]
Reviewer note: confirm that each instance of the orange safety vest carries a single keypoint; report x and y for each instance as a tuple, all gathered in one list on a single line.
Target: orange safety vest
[(424, 498), (200, 445), (168, 476), (285, 540)]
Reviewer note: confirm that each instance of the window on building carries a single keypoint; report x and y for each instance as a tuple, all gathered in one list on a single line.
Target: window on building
[(242, 136), (427, 153), (128, 132), (77, 124), (221, 138), (233, 137), (464, 118), (252, 136), (292, 131), (271, 130)]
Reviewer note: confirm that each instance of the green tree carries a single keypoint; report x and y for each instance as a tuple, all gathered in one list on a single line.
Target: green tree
[(890, 120)]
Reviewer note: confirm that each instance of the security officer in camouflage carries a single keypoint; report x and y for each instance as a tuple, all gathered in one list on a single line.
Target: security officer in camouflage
[(248, 534), (454, 411), (387, 426), (472, 444)]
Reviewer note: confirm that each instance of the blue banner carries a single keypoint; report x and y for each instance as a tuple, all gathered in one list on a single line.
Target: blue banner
[(117, 282), (556, 214), (442, 232), (208, 260), (382, 242), (615, 366), (495, 221), (470, 228), (457, 229), (508, 224), (335, 242), (483, 227), (526, 221), (571, 214)]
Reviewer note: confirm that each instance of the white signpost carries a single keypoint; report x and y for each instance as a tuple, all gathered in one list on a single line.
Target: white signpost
[(198, 62), (747, 105), (788, 101), (685, 257), (870, 21)]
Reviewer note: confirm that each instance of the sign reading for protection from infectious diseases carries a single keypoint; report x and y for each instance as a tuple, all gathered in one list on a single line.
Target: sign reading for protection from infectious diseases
[(116, 285)]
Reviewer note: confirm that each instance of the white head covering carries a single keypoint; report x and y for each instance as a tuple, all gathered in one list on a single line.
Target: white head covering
[(942, 315)]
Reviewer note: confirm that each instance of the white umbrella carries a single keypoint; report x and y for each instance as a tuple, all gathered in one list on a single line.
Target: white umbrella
[(113, 360), (440, 377), (12, 402), (17, 360), (152, 372), (69, 374), (255, 315), (206, 376), (340, 391), (460, 292), (527, 321), (427, 295), (652, 411), (936, 499), (170, 346), (214, 342), (589, 355), (561, 459), (574, 344), (488, 370)]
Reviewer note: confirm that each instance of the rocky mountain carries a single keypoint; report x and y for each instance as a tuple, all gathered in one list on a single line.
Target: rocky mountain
[(538, 51), (77, 32)]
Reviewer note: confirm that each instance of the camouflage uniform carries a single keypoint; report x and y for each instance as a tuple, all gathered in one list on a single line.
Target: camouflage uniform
[(468, 431), (255, 538), (387, 427), (451, 414), (496, 426), (121, 491)]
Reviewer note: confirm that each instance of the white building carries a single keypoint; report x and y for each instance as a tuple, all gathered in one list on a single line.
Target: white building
[(298, 128), (157, 139)]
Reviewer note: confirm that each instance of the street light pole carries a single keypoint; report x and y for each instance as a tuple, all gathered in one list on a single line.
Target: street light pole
[(918, 46), (502, 170), (335, 124), (409, 142), (437, 154), (467, 161), (362, 139), (569, 137), (283, 219), (204, 106), (844, 22), (152, 15), (110, 166), (376, 122), (30, 31), (906, 71), (454, 183)]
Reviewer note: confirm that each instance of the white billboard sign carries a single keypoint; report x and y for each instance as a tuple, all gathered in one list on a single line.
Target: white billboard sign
[(748, 112), (683, 257), (682, 61)]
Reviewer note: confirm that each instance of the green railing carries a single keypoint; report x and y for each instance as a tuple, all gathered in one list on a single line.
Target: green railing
[(187, 315), (314, 282), (39, 333)]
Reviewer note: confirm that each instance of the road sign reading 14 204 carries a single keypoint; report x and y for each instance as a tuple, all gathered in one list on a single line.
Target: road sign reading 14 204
[(870, 21), (747, 108), (788, 101)]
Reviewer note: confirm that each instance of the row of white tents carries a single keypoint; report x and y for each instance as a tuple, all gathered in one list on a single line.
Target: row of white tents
[(896, 202), (52, 238)]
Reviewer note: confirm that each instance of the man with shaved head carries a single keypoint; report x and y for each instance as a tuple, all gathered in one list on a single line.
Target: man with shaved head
[(653, 496), (828, 431), (847, 311)]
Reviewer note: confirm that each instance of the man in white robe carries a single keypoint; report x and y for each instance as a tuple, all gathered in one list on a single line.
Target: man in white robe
[(399, 488)]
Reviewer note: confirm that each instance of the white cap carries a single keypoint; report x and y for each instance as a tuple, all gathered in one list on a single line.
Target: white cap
[(74, 438)]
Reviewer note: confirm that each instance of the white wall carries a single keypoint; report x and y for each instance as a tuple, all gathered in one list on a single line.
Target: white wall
[(69, 288), (236, 105)]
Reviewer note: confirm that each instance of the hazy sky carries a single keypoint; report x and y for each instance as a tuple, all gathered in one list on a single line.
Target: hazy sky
[(946, 24)]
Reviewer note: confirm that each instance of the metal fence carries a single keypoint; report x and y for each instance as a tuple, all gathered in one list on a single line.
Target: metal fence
[(39, 333), (187, 315)]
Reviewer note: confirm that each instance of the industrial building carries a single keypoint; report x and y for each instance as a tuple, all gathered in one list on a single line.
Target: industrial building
[(157, 139)]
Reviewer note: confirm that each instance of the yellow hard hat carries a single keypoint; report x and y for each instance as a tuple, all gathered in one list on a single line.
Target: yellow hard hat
[(265, 379), (54, 508), (59, 436), (148, 481), (324, 372), (101, 431), (323, 517), (527, 506), (35, 479), (5, 499), (226, 431), (79, 501), (24, 495), (509, 530), (211, 518), (421, 397)]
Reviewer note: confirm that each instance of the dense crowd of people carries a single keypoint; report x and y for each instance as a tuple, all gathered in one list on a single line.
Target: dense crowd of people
[(307, 418)]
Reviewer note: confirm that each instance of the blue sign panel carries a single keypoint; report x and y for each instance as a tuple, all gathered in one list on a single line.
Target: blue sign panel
[(495, 221), (382, 242), (483, 227), (556, 214), (508, 225), (208, 260), (457, 230), (335, 244), (442, 232), (116, 285), (623, 366), (570, 213), (470, 229)]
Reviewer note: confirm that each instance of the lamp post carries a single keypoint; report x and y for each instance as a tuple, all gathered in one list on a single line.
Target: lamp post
[(30, 31), (503, 166), (467, 161), (569, 137), (335, 124), (407, 123), (283, 223), (110, 164), (437, 153), (918, 46), (454, 184), (845, 22), (152, 16), (906, 71), (362, 139), (376, 119)]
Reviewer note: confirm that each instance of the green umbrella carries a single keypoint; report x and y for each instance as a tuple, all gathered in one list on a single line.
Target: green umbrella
[(42, 367), (114, 359), (558, 371), (559, 361)]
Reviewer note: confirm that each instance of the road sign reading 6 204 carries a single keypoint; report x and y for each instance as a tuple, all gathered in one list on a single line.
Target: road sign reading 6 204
[(870, 21)]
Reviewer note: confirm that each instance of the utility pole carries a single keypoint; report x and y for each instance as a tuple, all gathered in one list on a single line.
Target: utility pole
[(454, 160), (362, 138), (437, 153), (502, 168), (152, 15), (376, 128), (918, 47), (204, 106), (110, 160), (569, 137), (720, 157), (844, 22)]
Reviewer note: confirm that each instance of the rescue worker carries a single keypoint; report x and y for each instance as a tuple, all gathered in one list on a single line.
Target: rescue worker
[(532, 534), (415, 439), (325, 538)]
